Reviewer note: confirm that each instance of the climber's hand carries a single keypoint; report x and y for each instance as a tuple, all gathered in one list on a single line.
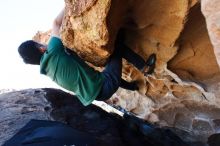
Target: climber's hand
[(150, 65), (57, 24)]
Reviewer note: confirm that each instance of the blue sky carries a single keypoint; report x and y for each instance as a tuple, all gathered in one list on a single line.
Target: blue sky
[(20, 20)]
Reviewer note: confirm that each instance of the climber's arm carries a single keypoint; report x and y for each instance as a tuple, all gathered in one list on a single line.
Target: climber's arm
[(57, 24)]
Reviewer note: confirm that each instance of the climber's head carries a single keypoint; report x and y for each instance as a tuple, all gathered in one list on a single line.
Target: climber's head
[(31, 52)]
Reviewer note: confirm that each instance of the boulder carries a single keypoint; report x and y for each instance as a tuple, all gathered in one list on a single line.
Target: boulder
[(19, 107), (90, 28), (211, 11), (184, 90)]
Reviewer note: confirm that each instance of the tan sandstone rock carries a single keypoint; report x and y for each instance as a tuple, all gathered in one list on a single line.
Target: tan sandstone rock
[(88, 31), (211, 11), (196, 59), (42, 37)]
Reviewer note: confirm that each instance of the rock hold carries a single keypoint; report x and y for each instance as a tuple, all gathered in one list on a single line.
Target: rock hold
[(88, 33)]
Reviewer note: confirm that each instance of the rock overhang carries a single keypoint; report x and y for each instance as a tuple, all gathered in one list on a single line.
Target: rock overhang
[(186, 71)]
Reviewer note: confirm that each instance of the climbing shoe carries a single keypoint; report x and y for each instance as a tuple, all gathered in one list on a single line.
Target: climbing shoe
[(150, 65)]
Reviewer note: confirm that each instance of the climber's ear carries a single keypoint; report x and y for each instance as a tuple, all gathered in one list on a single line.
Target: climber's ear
[(42, 49)]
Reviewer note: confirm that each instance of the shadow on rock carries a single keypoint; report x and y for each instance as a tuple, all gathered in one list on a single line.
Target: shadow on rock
[(108, 128)]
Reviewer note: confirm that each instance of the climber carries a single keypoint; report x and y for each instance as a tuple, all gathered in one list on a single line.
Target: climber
[(70, 72)]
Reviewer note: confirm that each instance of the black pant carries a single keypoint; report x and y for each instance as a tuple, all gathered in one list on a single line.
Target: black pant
[(113, 70)]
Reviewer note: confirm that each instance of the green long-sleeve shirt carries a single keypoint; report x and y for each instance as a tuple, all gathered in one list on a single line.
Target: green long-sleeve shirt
[(71, 72)]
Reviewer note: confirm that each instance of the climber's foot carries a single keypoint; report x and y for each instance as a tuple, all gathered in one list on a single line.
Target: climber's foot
[(150, 65)]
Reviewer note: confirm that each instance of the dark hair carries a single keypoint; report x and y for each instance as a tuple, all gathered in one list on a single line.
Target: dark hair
[(30, 52)]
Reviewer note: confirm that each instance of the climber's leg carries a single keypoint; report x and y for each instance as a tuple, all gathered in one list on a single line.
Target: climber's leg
[(132, 57), (129, 85), (112, 76)]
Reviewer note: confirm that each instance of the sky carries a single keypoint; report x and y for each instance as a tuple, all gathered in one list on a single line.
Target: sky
[(20, 20)]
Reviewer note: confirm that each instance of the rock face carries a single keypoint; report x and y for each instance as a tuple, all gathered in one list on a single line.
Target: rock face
[(42, 37), (86, 28), (211, 11), (184, 90), (18, 107)]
